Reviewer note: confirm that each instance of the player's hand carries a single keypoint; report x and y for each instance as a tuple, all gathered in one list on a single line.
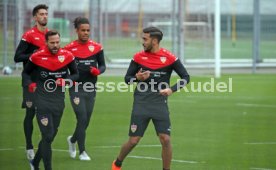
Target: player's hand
[(94, 71), (60, 82), (32, 87), (142, 75), (166, 92)]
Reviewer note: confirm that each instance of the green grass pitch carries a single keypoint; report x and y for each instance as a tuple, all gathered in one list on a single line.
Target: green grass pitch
[(210, 131)]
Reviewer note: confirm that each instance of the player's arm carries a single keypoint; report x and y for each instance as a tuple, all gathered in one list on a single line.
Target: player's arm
[(101, 65), (135, 73), (20, 55), (130, 76), (142, 75), (74, 74), (101, 62), (182, 73), (26, 74)]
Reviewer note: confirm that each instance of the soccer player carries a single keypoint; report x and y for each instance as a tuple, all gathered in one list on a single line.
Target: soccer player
[(31, 41), (54, 67), (89, 56), (152, 69)]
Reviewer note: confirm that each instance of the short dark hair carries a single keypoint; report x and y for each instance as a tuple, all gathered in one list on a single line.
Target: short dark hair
[(51, 33), (80, 20), (154, 32), (38, 7)]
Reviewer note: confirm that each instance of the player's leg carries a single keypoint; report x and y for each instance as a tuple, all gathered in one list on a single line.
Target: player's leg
[(89, 101), (46, 126), (79, 105), (28, 127), (162, 124), (57, 115), (125, 150), (138, 124), (28, 131), (128, 146), (72, 139), (38, 157), (28, 104), (166, 150)]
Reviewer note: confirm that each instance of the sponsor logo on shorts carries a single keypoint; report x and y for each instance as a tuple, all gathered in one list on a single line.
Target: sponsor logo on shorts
[(76, 100), (133, 128), (29, 104), (44, 121)]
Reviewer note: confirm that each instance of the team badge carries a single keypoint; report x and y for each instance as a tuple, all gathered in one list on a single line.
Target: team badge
[(61, 58), (29, 104), (133, 128), (91, 48), (163, 59), (44, 121), (76, 100)]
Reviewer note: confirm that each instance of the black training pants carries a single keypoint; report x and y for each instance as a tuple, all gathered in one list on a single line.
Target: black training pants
[(48, 117), (83, 104)]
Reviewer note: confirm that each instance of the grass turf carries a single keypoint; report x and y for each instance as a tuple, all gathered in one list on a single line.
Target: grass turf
[(210, 131)]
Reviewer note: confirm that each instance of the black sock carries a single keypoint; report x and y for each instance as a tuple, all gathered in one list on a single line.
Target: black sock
[(118, 162), (165, 169)]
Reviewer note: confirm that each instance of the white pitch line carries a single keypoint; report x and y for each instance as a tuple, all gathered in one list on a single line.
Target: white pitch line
[(105, 147), (60, 150), (260, 143), (148, 146), (181, 101), (256, 105), (260, 169), (139, 146), (6, 149), (173, 160)]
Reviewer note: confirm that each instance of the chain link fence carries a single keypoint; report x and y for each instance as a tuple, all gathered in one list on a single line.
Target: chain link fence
[(118, 25)]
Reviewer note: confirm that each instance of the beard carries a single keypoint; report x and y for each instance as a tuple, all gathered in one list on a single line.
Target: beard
[(54, 50), (148, 49), (42, 22)]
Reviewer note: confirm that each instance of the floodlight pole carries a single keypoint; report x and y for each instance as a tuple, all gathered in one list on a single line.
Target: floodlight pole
[(5, 32), (180, 37), (100, 21), (173, 27), (217, 40), (91, 19), (95, 19), (106, 21), (256, 35)]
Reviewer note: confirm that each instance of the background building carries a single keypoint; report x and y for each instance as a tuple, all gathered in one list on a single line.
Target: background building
[(118, 24)]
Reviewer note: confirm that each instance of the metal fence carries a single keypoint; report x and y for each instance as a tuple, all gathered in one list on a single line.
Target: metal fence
[(118, 24)]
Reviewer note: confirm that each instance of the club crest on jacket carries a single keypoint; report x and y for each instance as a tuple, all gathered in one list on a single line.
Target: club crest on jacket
[(61, 58), (91, 48), (163, 59)]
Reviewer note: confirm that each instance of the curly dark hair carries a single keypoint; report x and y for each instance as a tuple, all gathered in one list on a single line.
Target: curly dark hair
[(80, 20)]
